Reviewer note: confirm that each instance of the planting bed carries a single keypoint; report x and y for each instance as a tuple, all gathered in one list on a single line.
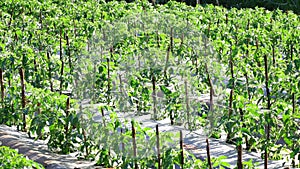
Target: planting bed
[(37, 150)]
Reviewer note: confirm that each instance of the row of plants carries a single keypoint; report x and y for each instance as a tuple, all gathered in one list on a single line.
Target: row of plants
[(11, 159), (50, 47)]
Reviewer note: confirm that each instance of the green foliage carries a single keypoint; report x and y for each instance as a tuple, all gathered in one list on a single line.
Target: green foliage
[(9, 158), (58, 43)]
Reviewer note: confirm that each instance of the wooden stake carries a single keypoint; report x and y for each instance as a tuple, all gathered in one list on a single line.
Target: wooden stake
[(134, 146), (50, 72), (2, 85), (67, 115), (292, 48), (257, 46), (187, 103), (158, 147), (181, 150), (69, 53), (154, 96), (268, 107), (41, 20), (85, 140), (228, 139), (103, 117), (293, 112), (62, 62), (240, 157), (167, 61), (157, 39), (39, 108), (208, 154), (108, 75), (123, 145), (171, 39), (211, 96), (21, 71), (273, 54)]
